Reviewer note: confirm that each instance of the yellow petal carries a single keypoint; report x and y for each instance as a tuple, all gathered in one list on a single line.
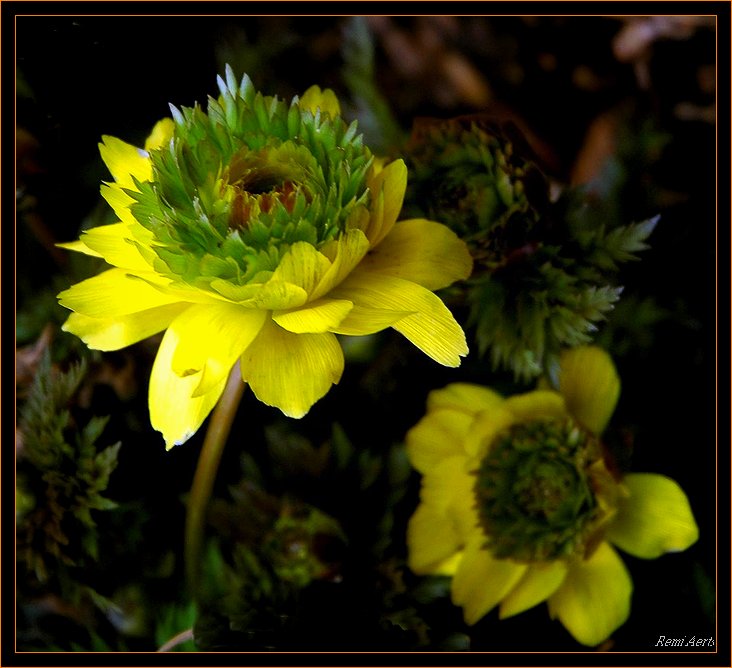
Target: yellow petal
[(465, 397), (387, 188), (303, 266), (445, 343), (314, 98), (590, 385), (114, 243), (78, 246), (481, 582), (432, 538), (438, 435), (450, 565), (536, 405), (275, 295), (594, 599), (113, 293), (124, 330), (181, 291), (321, 315), (654, 518), (344, 254), (234, 292), (291, 371), (210, 339), (539, 582), (362, 321), (379, 162), (160, 135), (423, 252), (173, 410), (125, 161), (178, 290), (430, 326), (120, 202), (449, 488), (485, 427)]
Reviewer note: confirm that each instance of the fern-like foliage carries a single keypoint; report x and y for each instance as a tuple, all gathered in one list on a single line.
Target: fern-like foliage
[(62, 475), (545, 273)]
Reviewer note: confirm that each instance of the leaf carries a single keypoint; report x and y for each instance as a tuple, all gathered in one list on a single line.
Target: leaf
[(171, 621), (62, 471), (622, 243), (373, 111)]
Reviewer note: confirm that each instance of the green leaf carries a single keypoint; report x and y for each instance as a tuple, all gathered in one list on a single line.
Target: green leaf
[(62, 470), (375, 116), (622, 243)]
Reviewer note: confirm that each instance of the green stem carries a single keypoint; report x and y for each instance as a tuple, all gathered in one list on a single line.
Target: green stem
[(208, 463)]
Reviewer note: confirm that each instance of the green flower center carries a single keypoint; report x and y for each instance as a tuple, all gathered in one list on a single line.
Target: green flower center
[(543, 491), (241, 182)]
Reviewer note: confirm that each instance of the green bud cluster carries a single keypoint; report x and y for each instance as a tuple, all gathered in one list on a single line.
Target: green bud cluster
[(242, 181), (542, 491), (543, 277), (466, 173), (299, 543)]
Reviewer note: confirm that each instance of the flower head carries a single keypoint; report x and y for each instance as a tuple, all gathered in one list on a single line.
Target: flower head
[(255, 232), (519, 505), (545, 271), (476, 176)]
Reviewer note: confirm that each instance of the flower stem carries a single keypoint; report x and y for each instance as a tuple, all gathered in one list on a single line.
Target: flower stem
[(176, 640), (203, 480)]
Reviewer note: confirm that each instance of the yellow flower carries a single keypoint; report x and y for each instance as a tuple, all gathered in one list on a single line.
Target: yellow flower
[(256, 232), (517, 503)]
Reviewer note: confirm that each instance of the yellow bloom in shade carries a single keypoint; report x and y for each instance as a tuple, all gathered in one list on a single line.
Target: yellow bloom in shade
[(256, 232), (518, 506)]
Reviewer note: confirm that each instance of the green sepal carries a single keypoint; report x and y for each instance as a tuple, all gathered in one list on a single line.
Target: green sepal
[(241, 182)]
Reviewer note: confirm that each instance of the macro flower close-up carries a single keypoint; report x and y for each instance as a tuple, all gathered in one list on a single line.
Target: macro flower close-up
[(320, 329), (520, 504), (255, 232)]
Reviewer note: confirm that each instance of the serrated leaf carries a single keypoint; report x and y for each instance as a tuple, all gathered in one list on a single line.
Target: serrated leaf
[(622, 243)]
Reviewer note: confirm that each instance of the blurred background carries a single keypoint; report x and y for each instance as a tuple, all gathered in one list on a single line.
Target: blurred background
[(307, 524)]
